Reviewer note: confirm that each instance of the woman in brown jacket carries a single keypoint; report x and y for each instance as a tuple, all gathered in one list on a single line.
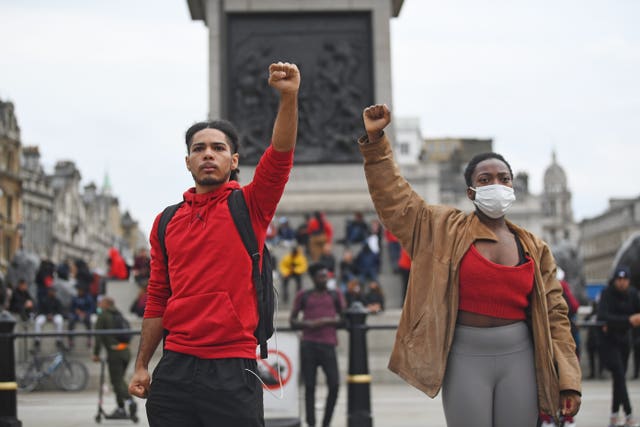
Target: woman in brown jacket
[(484, 318)]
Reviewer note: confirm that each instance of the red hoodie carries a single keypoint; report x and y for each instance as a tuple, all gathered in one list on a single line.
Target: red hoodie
[(210, 310)]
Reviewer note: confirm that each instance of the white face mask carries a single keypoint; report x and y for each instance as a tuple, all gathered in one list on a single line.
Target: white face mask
[(494, 200)]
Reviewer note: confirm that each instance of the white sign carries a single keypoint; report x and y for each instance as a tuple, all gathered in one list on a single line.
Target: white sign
[(279, 373)]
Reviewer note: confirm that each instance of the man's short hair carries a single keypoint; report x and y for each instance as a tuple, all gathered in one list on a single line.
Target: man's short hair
[(315, 268)]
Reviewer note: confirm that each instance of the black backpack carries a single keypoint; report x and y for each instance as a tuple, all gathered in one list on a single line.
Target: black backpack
[(120, 322), (262, 279)]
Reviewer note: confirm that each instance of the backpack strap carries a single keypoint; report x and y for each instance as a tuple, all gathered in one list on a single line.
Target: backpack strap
[(242, 220), (165, 217)]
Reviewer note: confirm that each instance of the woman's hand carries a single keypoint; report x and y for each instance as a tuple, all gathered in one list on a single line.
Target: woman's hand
[(376, 118), (569, 402)]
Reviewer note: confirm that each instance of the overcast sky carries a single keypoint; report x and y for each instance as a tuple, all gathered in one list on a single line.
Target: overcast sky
[(112, 85)]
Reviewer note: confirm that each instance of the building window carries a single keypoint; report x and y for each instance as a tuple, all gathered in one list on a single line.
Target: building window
[(9, 209), (404, 148), (10, 161), (7, 248)]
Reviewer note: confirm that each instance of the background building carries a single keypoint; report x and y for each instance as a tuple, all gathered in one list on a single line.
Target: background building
[(10, 189), (602, 236), (49, 216)]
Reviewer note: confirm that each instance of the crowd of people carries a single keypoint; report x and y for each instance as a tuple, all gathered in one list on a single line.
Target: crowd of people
[(67, 293), (353, 262)]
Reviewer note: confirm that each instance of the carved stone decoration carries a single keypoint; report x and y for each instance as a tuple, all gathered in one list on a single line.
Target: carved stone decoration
[(334, 54), (8, 122)]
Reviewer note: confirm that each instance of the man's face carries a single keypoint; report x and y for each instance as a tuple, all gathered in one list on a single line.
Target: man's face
[(621, 284), (320, 278), (210, 159)]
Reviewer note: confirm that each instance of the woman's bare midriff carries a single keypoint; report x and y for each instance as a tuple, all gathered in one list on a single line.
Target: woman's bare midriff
[(467, 318)]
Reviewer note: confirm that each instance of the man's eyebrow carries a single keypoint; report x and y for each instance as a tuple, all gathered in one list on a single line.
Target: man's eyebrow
[(204, 143)]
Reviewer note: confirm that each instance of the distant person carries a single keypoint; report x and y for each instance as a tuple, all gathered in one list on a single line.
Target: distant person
[(374, 298), (202, 293), (368, 259), (82, 307), (320, 318), (357, 229), (484, 318), (118, 269), (286, 234), (141, 267), (82, 275), (118, 356), (573, 304), (139, 302), (328, 259), (50, 309), (347, 269), (292, 266), (320, 232), (354, 292), (22, 303), (594, 334), (619, 308), (302, 234), (44, 279)]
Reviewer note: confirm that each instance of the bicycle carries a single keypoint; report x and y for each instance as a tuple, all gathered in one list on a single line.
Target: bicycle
[(69, 375)]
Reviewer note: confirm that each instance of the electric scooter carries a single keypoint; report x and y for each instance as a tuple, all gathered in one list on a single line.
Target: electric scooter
[(101, 413)]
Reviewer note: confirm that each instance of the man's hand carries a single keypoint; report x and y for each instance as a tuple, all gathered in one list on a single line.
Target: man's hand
[(569, 403), (95, 358), (376, 118), (140, 382), (634, 319), (284, 77)]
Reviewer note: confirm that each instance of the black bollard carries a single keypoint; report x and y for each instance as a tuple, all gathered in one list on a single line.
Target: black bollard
[(8, 385), (358, 379)]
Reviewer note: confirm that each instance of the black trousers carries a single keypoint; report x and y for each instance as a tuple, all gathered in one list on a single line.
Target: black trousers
[(615, 357), (285, 285), (190, 392), (314, 355)]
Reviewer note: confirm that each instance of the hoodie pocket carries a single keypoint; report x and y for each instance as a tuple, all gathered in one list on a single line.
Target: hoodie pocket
[(203, 320)]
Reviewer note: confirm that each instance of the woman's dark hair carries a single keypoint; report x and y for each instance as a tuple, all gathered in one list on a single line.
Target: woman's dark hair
[(471, 167), (223, 126)]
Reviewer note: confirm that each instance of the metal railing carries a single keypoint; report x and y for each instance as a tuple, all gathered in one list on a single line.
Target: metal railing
[(358, 378)]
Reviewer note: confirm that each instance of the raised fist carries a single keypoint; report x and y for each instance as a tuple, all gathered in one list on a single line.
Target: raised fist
[(376, 118), (284, 77)]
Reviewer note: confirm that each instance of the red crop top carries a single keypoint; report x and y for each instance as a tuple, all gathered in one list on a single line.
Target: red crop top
[(493, 289)]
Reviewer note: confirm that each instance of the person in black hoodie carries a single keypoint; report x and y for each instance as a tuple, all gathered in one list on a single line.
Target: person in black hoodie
[(21, 301), (619, 308)]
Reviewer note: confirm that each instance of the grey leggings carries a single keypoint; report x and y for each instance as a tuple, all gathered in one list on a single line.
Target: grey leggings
[(490, 378)]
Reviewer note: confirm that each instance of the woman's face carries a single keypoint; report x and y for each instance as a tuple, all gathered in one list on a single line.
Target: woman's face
[(488, 172)]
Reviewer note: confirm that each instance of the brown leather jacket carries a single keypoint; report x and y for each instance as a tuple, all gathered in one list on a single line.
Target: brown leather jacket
[(436, 237)]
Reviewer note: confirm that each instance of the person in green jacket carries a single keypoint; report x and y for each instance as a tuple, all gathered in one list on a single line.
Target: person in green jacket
[(118, 355)]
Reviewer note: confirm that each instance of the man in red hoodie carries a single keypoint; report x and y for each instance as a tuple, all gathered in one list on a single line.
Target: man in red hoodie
[(206, 374)]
